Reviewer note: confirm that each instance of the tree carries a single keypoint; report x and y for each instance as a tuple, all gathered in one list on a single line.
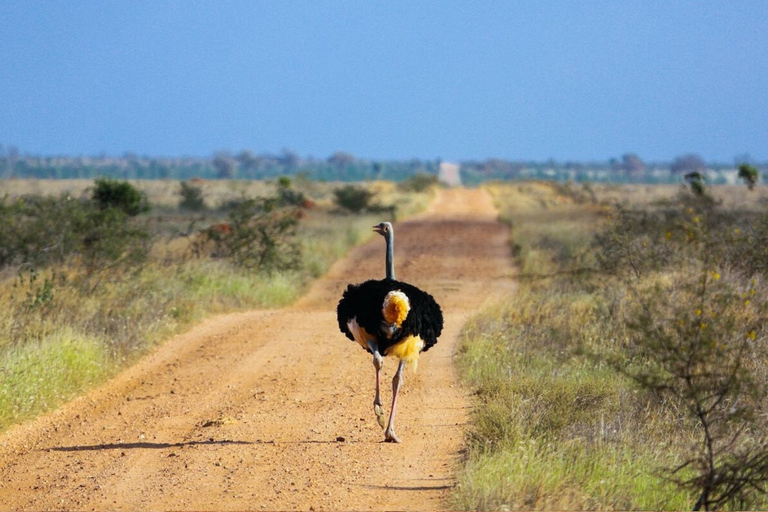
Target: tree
[(689, 163), (749, 174), (632, 164), (341, 159), (225, 165), (289, 158), (12, 158), (248, 162), (697, 181)]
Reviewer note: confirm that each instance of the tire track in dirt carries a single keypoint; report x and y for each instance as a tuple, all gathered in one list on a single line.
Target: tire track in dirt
[(273, 409)]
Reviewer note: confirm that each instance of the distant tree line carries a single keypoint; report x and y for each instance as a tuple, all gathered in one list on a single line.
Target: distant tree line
[(340, 166), (344, 166), (629, 168)]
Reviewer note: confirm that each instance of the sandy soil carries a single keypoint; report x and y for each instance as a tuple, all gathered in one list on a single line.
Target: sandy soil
[(273, 409)]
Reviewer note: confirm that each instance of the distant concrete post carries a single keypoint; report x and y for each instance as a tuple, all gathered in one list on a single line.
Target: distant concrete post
[(449, 174)]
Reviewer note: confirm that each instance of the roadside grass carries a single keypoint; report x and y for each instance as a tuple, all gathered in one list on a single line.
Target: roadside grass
[(40, 375), (50, 353), (64, 330), (551, 428), (554, 425)]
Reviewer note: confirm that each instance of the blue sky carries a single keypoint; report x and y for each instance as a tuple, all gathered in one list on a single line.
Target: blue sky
[(570, 80)]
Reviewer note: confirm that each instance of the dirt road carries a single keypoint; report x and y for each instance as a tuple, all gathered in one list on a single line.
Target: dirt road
[(273, 409)]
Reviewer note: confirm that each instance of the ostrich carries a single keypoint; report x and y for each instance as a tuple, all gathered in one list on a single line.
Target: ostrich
[(389, 318)]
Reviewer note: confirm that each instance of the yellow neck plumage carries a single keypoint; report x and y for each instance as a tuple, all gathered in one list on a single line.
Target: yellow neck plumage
[(395, 308)]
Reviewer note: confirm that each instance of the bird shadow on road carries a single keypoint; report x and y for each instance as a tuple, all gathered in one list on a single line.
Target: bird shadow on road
[(147, 446), (163, 446)]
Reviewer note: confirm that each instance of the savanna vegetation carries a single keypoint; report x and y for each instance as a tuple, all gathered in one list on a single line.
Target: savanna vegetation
[(95, 273), (629, 371), (344, 166)]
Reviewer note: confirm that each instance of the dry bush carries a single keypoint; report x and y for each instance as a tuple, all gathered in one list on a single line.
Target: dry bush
[(694, 332), (664, 291)]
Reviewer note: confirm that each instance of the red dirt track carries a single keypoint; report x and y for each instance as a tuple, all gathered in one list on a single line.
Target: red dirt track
[(272, 409)]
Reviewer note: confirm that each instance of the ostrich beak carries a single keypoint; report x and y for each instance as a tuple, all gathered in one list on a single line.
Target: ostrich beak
[(378, 229)]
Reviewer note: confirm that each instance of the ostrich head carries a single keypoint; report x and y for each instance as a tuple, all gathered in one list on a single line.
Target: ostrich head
[(385, 230)]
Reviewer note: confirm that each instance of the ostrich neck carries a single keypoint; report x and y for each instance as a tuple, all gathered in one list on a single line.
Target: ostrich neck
[(390, 256)]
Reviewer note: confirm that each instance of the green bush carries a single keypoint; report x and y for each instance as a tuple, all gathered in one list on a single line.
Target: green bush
[(39, 230), (353, 198), (109, 238), (419, 182), (108, 193), (191, 197), (42, 231), (286, 194), (260, 235), (749, 174)]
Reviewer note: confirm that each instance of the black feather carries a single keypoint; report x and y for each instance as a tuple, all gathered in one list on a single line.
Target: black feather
[(364, 301)]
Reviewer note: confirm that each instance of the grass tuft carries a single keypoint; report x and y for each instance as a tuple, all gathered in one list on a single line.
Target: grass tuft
[(41, 375)]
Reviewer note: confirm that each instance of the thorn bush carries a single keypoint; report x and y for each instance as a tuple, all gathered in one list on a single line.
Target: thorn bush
[(692, 321)]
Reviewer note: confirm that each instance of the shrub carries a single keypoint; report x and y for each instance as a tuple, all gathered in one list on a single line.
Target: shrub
[(41, 231), (263, 236), (676, 302), (122, 195), (419, 182), (698, 183), (108, 238), (260, 235), (694, 333), (353, 198), (749, 174), (287, 196), (191, 197)]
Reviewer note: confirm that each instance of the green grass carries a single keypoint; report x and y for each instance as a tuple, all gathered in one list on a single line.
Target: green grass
[(551, 429), (39, 376), (564, 477)]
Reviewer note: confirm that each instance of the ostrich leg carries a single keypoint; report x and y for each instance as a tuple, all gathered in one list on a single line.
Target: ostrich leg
[(397, 381), (378, 361)]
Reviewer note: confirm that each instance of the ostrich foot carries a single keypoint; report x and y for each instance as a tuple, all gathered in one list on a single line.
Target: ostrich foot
[(391, 437)]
